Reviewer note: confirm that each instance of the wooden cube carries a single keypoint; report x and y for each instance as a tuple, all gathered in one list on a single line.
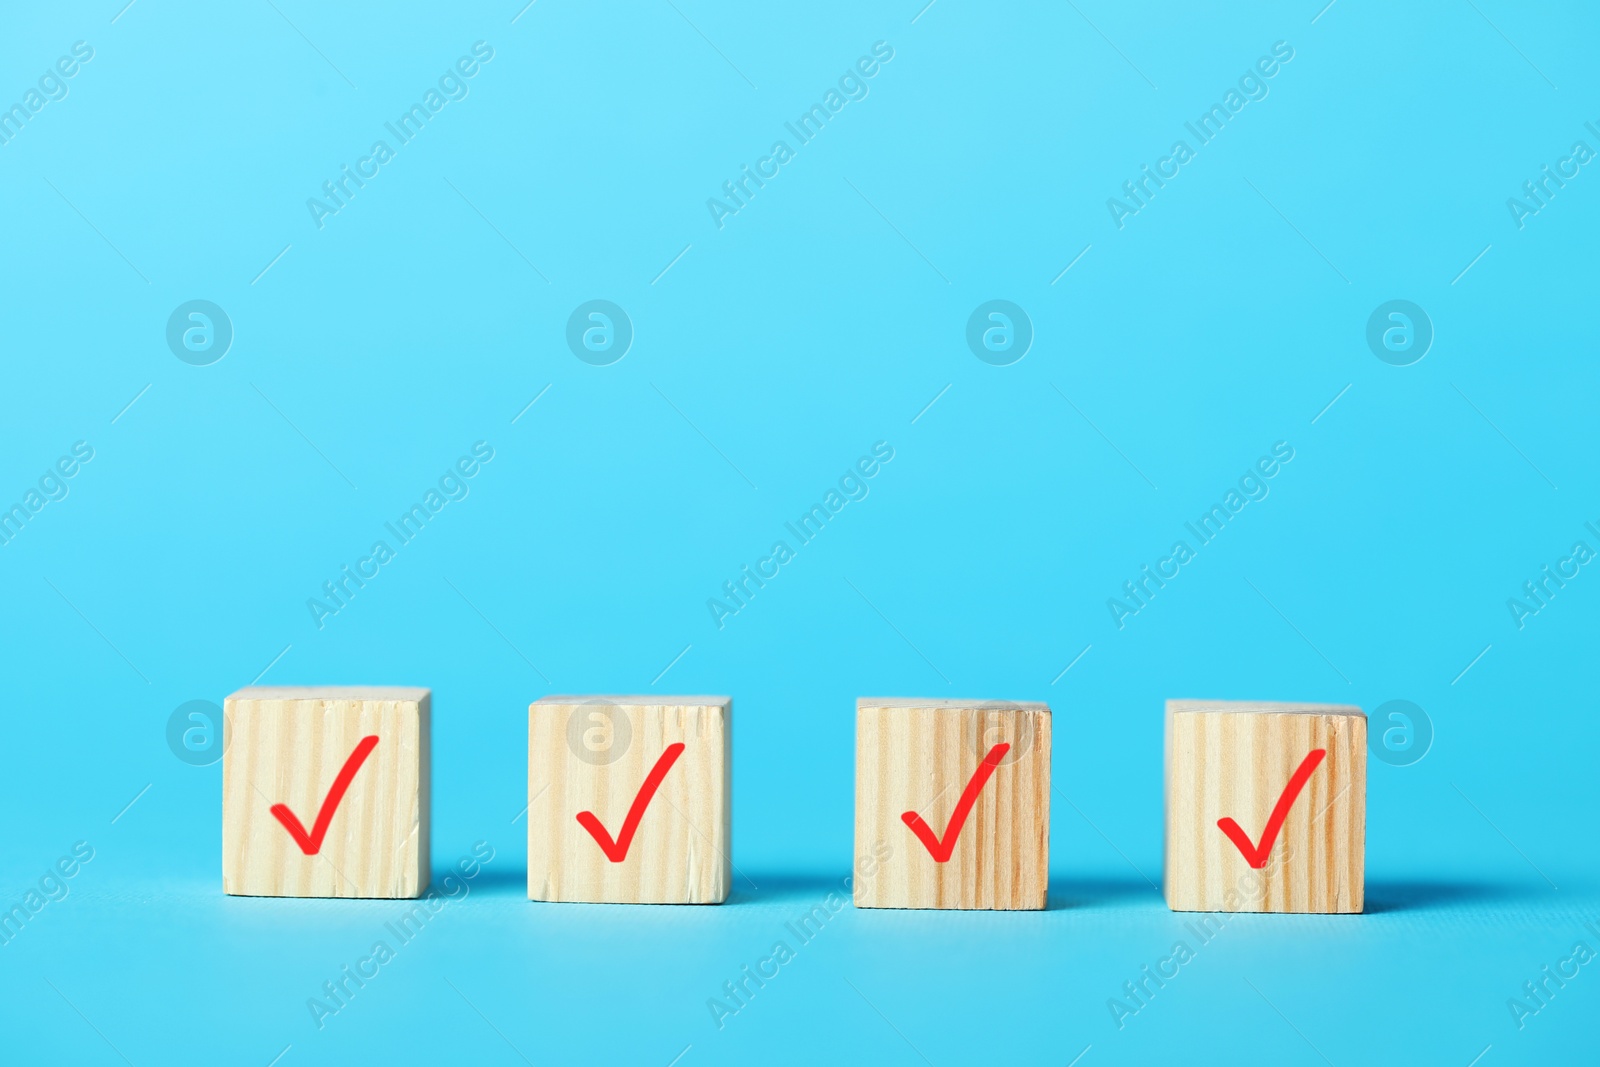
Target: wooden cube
[(325, 792), (1266, 807), (629, 799), (952, 804)]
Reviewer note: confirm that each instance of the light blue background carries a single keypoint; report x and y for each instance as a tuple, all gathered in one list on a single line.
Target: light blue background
[(825, 316)]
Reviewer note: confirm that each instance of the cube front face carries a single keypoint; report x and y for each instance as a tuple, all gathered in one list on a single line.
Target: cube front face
[(1242, 762), (652, 776), (929, 759), (288, 830)]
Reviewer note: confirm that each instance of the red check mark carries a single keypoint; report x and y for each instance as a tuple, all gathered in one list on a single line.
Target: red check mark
[(617, 851), (941, 851), (1256, 855), (311, 843)]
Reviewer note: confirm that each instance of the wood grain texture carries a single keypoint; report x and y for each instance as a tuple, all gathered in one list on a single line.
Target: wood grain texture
[(593, 754), (919, 755), (1234, 759), (287, 744)]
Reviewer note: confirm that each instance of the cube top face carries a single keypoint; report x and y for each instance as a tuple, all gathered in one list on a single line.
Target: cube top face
[(1258, 707), (949, 703), (288, 829), (651, 700), (651, 778), (393, 694), (952, 804), (1265, 807)]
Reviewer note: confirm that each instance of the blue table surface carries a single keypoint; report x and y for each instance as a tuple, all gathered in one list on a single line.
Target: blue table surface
[(165, 970)]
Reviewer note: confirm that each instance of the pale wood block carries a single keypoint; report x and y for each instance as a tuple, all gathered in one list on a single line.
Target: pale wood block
[(929, 759), (1239, 761), (598, 757), (293, 746)]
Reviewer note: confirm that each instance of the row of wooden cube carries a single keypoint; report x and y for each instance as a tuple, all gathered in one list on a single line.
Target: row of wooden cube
[(325, 794)]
